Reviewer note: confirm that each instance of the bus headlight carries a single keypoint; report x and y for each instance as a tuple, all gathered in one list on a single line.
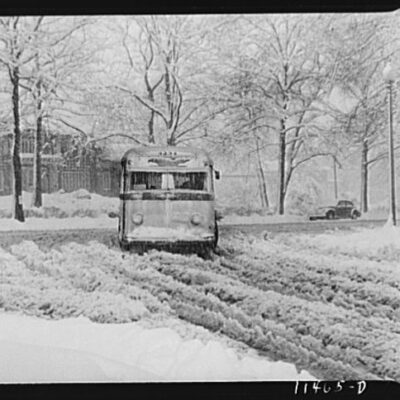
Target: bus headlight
[(137, 219), (196, 219)]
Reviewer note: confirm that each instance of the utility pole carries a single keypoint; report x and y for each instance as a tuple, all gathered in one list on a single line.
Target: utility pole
[(388, 76)]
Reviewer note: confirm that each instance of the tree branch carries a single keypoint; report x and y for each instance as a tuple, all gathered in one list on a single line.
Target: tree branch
[(146, 104), (322, 154), (94, 140)]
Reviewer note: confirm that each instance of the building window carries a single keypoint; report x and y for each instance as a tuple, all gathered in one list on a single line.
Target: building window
[(4, 146), (27, 146), (106, 180), (30, 177), (24, 146), (27, 178)]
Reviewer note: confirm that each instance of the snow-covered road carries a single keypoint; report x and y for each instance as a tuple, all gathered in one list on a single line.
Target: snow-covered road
[(329, 309), (48, 232)]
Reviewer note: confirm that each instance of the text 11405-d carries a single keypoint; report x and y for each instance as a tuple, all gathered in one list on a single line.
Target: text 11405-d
[(315, 387)]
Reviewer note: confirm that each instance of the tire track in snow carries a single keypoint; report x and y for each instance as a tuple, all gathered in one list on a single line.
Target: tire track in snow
[(224, 295), (315, 281), (354, 351), (186, 295)]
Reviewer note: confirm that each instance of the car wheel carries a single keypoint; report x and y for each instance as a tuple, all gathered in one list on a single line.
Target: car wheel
[(354, 215), (330, 215)]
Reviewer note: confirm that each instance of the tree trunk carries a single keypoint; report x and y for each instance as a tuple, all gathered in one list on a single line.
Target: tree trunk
[(168, 96), (282, 171), (37, 166), (262, 183), (93, 173), (18, 211), (151, 128), (171, 140), (283, 182), (152, 116), (364, 176), (335, 182)]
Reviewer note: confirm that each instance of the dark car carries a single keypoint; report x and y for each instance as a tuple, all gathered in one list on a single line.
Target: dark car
[(343, 209)]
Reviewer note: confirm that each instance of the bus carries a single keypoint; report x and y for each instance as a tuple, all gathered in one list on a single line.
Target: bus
[(167, 200)]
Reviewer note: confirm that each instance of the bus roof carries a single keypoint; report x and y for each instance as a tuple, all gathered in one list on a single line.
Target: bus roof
[(168, 155)]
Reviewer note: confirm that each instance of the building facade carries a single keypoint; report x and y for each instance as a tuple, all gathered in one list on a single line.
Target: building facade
[(62, 168)]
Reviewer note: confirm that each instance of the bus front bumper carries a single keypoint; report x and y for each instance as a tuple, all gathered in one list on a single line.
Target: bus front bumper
[(161, 243)]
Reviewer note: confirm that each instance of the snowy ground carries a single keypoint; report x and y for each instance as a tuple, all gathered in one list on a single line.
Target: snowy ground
[(80, 203), (46, 224), (104, 222), (83, 209), (330, 307), (78, 350), (379, 243), (325, 303), (80, 209)]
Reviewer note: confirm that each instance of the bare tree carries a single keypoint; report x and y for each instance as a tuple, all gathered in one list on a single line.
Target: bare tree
[(16, 36), (360, 48), (293, 79), (169, 74), (245, 120), (59, 54), (147, 63)]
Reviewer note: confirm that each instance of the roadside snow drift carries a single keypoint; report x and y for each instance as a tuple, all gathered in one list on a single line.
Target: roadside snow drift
[(328, 303), (378, 243), (51, 224), (77, 350), (334, 314), (60, 204), (81, 209)]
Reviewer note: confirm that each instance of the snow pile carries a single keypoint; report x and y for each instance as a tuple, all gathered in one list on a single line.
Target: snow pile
[(369, 243), (341, 308), (27, 363), (80, 203), (104, 222), (260, 219), (70, 283), (378, 211), (47, 224), (333, 315), (76, 350), (84, 210)]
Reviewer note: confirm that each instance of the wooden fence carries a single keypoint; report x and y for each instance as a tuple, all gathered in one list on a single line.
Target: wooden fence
[(74, 179)]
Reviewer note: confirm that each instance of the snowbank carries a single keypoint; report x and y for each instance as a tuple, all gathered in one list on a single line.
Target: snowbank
[(368, 243), (28, 363), (46, 224), (104, 222), (378, 211), (77, 350), (94, 209), (80, 203), (260, 219), (283, 298), (81, 209)]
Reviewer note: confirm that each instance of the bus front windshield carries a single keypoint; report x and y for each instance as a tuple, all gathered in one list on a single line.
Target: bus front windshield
[(168, 181)]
